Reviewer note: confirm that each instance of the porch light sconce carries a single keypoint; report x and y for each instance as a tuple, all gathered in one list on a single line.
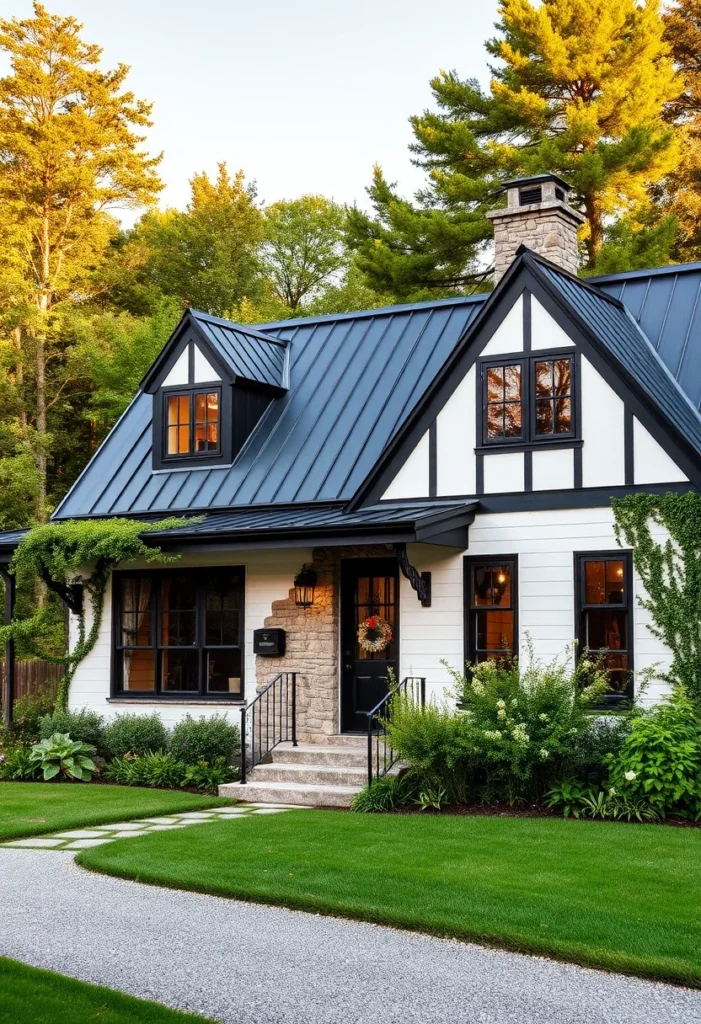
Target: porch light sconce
[(305, 584)]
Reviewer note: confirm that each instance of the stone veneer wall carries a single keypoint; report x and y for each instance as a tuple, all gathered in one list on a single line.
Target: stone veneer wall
[(313, 644), (548, 228)]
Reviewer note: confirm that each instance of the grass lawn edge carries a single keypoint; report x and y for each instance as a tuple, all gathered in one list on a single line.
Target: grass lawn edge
[(647, 968), (108, 1001)]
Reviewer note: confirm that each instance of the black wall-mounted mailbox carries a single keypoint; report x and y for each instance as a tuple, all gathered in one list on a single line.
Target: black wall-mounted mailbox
[(269, 643)]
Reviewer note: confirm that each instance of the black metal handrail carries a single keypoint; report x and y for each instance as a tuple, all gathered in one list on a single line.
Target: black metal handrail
[(381, 756), (273, 720)]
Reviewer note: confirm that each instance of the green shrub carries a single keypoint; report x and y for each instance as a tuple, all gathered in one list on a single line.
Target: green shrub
[(135, 734), (83, 725), (205, 739), (158, 768), (594, 746), (525, 726), (660, 759), (209, 777), (60, 755), (384, 794), (436, 744), (16, 764), (574, 799), (27, 712)]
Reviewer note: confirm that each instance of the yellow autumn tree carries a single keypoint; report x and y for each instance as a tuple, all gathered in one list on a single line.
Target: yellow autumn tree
[(70, 152)]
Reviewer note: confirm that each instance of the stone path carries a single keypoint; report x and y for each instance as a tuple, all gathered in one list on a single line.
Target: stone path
[(81, 838), (240, 963)]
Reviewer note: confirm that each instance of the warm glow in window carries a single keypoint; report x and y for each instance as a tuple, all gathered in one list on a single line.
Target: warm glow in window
[(192, 423)]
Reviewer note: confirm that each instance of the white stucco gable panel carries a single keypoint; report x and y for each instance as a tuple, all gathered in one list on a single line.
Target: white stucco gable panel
[(503, 473), (204, 371), (545, 332), (179, 374), (652, 463), (603, 415), (455, 439), (412, 479), (553, 470), (508, 336)]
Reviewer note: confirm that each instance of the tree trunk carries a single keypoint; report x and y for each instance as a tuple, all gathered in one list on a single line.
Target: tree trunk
[(596, 228), (44, 303)]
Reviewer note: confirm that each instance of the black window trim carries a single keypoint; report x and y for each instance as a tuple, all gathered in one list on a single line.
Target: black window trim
[(192, 460), (469, 562), (201, 573), (528, 439), (624, 555)]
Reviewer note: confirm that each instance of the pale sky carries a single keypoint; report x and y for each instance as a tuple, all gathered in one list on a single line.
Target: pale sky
[(304, 95)]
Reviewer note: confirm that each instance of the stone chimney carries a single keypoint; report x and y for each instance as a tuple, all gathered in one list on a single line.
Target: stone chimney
[(538, 216)]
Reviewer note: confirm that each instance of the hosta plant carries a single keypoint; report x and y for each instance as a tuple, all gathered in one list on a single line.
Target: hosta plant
[(16, 765), (60, 755)]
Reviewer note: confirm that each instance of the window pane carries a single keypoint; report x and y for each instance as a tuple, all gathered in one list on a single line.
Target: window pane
[(178, 611), (562, 377), (543, 416), (224, 671), (180, 670), (563, 416), (172, 440), (544, 379), (495, 631), (136, 612), (222, 612), (595, 582), (206, 421), (491, 586), (615, 583), (495, 421), (200, 407), (183, 440), (606, 630), (138, 670), (495, 384), (512, 383), (512, 419), (616, 666)]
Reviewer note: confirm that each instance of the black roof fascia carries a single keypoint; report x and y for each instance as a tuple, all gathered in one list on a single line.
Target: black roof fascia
[(522, 275)]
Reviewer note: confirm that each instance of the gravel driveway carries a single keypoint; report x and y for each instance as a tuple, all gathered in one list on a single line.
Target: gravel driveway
[(247, 964)]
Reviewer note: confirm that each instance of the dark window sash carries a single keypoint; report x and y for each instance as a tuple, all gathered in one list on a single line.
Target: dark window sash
[(584, 608), (529, 398), (474, 652), (191, 393)]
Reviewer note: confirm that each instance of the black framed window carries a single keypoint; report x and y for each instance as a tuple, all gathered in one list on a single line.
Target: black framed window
[(179, 633), (604, 613), (528, 399), (491, 607), (192, 423)]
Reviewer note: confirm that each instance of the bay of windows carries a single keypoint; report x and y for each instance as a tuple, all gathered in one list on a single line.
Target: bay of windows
[(179, 633)]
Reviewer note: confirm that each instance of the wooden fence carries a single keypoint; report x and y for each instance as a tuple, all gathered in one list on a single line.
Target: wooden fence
[(31, 677)]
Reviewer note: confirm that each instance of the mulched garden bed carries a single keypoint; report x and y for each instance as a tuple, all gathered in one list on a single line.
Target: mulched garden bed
[(527, 811)]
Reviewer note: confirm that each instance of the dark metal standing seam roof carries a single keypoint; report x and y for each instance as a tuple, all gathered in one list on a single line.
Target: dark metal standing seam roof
[(618, 331), (251, 355), (666, 302), (354, 379)]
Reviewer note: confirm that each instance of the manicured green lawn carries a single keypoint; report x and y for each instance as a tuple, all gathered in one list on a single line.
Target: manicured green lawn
[(622, 897), (32, 996), (30, 808)]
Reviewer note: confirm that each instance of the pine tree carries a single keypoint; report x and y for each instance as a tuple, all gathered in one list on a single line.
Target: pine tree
[(579, 89), (69, 152)]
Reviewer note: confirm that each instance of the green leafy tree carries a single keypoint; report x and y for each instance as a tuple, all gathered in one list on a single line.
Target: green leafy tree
[(70, 151), (304, 247), (579, 88), (206, 256)]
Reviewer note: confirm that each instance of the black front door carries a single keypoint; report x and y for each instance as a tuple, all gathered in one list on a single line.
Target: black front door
[(369, 590)]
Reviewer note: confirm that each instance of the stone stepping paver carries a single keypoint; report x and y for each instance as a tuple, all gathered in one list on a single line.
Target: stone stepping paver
[(83, 838)]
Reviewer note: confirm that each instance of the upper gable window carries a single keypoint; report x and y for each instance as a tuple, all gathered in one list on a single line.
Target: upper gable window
[(527, 400), (192, 423)]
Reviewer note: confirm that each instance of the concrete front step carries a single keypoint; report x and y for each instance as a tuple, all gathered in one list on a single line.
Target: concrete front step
[(316, 754), (306, 795), (314, 774)]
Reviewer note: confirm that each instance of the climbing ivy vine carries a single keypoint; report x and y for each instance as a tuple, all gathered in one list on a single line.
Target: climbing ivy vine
[(83, 553), (669, 565)]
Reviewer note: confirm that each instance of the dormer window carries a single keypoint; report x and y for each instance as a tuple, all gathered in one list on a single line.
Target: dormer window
[(193, 424), (528, 400)]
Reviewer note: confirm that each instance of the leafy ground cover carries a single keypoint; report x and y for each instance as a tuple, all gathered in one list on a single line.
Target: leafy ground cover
[(615, 896), (35, 996), (31, 808)]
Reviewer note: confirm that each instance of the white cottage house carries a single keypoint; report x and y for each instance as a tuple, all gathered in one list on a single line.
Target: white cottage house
[(442, 469)]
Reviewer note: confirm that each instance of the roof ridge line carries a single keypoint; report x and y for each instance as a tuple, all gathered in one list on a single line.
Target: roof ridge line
[(222, 321), (583, 282), (357, 314)]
